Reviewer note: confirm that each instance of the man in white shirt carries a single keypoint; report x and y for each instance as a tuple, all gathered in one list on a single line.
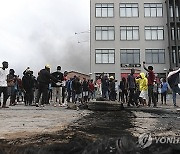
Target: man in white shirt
[(3, 83)]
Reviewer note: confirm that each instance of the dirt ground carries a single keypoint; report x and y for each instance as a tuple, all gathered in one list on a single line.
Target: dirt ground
[(60, 131)]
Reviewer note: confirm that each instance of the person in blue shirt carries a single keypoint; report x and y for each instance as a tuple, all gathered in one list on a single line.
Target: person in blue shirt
[(164, 89)]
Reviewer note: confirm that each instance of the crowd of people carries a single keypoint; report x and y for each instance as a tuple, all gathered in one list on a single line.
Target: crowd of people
[(57, 89), (48, 88)]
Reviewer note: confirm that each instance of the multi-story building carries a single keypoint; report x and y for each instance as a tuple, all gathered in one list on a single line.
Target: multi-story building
[(124, 33)]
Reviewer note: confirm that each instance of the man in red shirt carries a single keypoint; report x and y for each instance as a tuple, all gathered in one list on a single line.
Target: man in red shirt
[(151, 78)]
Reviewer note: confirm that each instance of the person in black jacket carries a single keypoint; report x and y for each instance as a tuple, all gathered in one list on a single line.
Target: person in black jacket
[(44, 78), (57, 89), (28, 83), (173, 81), (123, 94), (112, 86), (85, 87), (78, 91)]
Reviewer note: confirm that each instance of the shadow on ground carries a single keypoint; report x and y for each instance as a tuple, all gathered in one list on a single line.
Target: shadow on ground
[(97, 133)]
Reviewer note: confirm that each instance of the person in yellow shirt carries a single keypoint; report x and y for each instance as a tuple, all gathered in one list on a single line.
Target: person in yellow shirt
[(142, 81)]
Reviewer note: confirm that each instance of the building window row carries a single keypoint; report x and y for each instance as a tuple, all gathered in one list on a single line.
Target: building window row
[(105, 10), (129, 33), (129, 56)]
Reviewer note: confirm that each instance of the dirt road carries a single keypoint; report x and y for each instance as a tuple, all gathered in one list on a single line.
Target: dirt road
[(57, 130)]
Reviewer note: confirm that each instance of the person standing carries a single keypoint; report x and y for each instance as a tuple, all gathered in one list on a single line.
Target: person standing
[(123, 91), (143, 87), (3, 83), (112, 91), (151, 78), (78, 93), (131, 83), (12, 86), (85, 88), (105, 86), (57, 89), (173, 81), (44, 78), (164, 89), (28, 85), (91, 90), (64, 83)]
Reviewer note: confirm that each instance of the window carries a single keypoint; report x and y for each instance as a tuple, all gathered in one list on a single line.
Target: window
[(104, 10), (154, 33), (105, 33), (173, 35), (155, 56), (128, 10), (171, 11), (174, 55), (129, 33), (177, 11), (105, 56), (153, 10), (130, 56)]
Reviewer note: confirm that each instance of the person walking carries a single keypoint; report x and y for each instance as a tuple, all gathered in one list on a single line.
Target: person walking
[(173, 81), (151, 78), (3, 83)]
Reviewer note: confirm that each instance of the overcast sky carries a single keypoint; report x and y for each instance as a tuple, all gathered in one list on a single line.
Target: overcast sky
[(38, 32)]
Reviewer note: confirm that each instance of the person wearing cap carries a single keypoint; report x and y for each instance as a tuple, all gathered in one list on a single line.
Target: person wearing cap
[(57, 88), (3, 83), (44, 79)]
